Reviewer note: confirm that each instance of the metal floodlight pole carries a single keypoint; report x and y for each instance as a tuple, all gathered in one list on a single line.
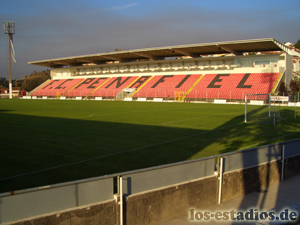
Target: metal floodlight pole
[(9, 28), (9, 67)]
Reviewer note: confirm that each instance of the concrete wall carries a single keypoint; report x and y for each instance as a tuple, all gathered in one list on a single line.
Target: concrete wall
[(172, 202), (244, 181), (149, 197), (167, 203), (164, 204), (105, 213), (155, 206), (42, 200), (289, 67), (291, 166)]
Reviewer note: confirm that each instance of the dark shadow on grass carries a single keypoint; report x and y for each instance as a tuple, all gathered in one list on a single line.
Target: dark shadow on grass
[(40, 151)]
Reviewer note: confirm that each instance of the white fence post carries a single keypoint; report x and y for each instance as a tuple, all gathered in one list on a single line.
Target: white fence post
[(121, 200), (220, 180)]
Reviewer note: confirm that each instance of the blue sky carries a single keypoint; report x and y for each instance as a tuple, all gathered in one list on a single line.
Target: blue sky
[(47, 29)]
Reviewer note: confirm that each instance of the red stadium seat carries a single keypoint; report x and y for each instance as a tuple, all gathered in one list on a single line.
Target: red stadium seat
[(233, 86), (163, 86), (56, 87), (113, 86), (86, 87), (215, 86)]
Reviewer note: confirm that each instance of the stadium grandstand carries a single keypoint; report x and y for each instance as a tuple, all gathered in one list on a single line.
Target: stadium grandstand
[(196, 72)]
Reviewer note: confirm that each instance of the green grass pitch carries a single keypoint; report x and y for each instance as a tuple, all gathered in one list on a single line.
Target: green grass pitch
[(51, 141)]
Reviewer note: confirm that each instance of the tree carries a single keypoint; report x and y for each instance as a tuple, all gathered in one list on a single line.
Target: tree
[(3, 83), (294, 85), (35, 79), (297, 45), (282, 89)]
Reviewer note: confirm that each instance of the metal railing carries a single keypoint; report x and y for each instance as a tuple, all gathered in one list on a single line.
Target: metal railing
[(41, 200)]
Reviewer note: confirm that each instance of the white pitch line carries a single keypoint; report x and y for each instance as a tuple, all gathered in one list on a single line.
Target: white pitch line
[(55, 167), (117, 113), (259, 143), (194, 118), (117, 153), (134, 149), (65, 142)]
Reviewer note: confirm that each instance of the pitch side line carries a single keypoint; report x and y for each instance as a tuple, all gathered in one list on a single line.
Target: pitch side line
[(56, 167), (259, 143), (175, 121), (66, 142), (135, 149), (117, 153), (116, 113)]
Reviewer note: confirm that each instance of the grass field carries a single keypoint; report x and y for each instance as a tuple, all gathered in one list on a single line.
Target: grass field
[(50, 141)]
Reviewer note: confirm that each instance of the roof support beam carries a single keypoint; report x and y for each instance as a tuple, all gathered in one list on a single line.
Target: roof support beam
[(56, 66), (185, 53), (76, 64), (151, 57), (230, 50), (143, 55), (59, 64), (113, 58), (86, 60)]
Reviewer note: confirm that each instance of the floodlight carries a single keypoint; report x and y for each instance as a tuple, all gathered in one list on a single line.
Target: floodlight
[(9, 27)]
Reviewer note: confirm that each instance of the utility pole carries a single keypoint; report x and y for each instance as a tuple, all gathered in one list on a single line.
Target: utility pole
[(9, 28)]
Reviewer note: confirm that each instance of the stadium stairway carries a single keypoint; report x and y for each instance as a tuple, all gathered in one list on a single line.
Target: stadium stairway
[(96, 85), (113, 86), (164, 86), (38, 87), (66, 93), (139, 87), (197, 81), (84, 88), (56, 87), (277, 82)]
